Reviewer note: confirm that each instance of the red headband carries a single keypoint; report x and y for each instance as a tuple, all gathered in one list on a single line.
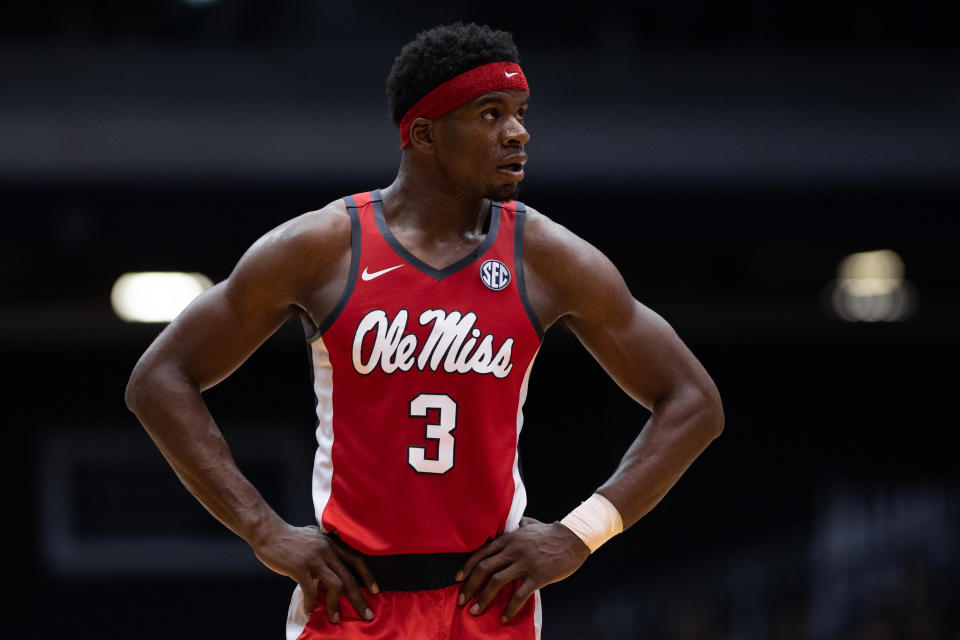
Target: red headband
[(460, 89)]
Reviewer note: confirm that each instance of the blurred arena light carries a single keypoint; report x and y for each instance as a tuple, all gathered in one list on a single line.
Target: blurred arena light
[(870, 287), (155, 296)]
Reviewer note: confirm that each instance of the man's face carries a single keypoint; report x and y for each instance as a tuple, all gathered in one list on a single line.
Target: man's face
[(480, 145)]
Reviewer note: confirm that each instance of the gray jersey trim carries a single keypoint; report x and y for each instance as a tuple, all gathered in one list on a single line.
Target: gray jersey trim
[(420, 265), (518, 267), (313, 333)]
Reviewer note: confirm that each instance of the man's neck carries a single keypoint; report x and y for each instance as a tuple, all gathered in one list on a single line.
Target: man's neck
[(416, 200)]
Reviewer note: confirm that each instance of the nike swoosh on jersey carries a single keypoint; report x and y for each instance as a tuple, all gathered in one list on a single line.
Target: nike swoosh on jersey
[(510, 75), (370, 276)]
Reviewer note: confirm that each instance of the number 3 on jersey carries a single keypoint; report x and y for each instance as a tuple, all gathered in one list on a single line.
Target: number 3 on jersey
[(439, 431)]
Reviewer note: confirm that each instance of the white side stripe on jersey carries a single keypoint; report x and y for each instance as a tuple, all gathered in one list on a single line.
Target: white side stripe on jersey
[(519, 502), (323, 462)]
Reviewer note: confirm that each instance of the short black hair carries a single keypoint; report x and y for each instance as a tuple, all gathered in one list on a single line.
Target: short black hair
[(441, 53)]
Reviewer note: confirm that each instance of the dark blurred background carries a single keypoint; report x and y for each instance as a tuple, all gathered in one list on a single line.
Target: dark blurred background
[(727, 156)]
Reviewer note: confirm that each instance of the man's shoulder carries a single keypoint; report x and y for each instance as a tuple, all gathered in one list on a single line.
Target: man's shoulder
[(565, 273), (306, 243), (326, 225), (321, 235), (547, 238)]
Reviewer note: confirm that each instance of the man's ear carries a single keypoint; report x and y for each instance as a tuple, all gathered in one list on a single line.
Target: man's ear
[(421, 134)]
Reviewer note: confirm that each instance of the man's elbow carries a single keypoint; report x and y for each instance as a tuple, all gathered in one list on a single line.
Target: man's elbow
[(133, 392), (144, 380), (712, 412)]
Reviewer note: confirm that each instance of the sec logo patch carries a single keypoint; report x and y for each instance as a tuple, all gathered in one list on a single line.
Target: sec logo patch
[(495, 274)]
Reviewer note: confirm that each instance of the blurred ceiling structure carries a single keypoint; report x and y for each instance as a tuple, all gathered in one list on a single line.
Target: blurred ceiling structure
[(642, 93), (126, 128)]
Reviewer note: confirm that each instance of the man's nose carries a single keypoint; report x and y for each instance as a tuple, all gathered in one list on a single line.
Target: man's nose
[(516, 133)]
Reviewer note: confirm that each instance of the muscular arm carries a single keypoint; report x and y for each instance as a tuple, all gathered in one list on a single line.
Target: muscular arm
[(298, 265), (640, 352), (571, 282)]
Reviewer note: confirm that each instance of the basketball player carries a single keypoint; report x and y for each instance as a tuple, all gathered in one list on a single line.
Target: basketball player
[(425, 303)]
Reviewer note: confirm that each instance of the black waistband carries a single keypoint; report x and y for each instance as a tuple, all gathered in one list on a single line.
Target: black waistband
[(413, 571)]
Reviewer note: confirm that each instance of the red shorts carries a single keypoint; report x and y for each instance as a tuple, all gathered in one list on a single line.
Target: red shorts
[(417, 615)]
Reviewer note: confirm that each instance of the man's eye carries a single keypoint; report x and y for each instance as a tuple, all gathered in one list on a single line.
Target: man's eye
[(491, 114)]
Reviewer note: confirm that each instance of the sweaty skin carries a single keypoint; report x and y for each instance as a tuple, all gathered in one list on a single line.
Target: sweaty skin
[(437, 208)]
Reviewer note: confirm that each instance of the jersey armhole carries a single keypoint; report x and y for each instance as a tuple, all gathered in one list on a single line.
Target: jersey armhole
[(518, 267), (312, 332)]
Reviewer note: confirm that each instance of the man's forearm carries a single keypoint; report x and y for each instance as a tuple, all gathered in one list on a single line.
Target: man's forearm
[(679, 430), (173, 412)]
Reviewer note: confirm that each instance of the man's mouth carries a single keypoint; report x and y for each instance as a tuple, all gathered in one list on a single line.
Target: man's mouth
[(513, 170)]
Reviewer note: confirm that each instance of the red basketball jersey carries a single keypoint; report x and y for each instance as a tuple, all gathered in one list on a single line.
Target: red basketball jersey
[(420, 376)]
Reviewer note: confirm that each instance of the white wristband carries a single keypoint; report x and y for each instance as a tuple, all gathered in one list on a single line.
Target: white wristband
[(595, 521)]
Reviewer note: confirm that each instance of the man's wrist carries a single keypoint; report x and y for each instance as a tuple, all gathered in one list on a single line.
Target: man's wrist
[(595, 521), (262, 529), (575, 541)]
